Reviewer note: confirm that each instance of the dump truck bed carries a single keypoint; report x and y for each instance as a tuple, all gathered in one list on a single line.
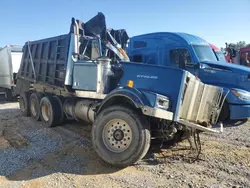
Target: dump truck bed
[(44, 61)]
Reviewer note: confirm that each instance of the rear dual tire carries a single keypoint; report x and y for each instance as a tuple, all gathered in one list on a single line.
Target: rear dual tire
[(24, 103), (35, 99), (51, 111), (43, 107)]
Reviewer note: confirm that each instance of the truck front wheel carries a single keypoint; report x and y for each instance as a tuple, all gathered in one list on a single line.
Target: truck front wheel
[(120, 136)]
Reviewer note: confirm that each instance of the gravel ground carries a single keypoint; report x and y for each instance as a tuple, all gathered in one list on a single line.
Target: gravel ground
[(34, 156)]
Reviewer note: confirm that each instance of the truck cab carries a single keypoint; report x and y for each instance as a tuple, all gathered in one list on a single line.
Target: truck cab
[(195, 55)]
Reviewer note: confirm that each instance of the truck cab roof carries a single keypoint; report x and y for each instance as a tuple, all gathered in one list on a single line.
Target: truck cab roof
[(175, 36)]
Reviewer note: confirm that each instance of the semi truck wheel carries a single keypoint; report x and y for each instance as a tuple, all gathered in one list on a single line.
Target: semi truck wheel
[(35, 99), (60, 100), (120, 136), (24, 103), (225, 112), (8, 95), (50, 111)]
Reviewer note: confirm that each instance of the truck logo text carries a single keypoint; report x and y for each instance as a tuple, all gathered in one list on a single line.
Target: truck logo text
[(147, 76)]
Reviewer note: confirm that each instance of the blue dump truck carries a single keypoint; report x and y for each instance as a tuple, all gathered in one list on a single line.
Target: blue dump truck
[(193, 54), (80, 76)]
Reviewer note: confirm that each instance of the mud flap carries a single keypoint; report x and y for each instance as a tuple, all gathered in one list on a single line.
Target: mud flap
[(199, 127)]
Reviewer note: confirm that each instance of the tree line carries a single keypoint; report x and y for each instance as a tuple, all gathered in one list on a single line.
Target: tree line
[(237, 46)]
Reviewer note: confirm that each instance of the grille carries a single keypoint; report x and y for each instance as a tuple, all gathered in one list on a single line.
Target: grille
[(200, 102)]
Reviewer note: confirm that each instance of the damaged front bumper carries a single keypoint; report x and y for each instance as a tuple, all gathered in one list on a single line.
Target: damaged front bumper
[(163, 114), (199, 127)]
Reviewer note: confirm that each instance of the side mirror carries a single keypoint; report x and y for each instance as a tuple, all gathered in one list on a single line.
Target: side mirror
[(204, 66), (195, 65)]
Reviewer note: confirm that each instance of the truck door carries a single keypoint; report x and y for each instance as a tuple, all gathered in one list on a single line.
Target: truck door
[(181, 58)]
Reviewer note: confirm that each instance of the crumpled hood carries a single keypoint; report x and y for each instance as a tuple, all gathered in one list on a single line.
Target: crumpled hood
[(226, 75), (229, 66)]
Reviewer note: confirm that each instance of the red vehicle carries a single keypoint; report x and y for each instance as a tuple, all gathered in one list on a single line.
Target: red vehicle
[(241, 56), (219, 54), (244, 55)]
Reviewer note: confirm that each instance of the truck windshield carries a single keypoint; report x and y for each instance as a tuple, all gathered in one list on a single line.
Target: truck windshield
[(220, 56), (204, 53)]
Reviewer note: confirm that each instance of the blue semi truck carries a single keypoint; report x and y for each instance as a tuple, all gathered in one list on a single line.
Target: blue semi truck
[(76, 76), (193, 54)]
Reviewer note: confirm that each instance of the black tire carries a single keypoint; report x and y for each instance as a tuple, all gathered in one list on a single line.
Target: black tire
[(225, 112), (50, 111), (140, 141), (35, 99), (8, 95), (24, 103), (60, 100)]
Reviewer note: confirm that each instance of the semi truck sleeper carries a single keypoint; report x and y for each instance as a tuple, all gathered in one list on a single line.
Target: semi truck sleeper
[(193, 54)]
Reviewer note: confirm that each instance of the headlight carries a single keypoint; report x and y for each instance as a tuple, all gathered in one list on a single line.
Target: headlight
[(243, 95), (162, 101)]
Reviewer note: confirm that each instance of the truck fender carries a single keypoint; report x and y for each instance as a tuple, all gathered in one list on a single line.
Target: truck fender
[(131, 95)]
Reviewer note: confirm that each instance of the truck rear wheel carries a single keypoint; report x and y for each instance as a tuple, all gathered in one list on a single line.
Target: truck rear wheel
[(24, 103), (120, 136), (60, 100), (50, 111), (8, 95), (35, 99)]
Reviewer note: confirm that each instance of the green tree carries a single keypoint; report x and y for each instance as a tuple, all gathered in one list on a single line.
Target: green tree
[(238, 45)]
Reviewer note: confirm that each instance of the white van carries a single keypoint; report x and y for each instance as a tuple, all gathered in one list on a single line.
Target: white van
[(10, 59)]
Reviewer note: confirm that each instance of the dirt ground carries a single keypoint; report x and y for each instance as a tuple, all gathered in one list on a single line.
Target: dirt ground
[(34, 156)]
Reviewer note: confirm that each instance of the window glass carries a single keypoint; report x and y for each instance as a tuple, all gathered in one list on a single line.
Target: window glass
[(180, 57), (139, 44), (220, 56), (204, 53), (89, 49), (137, 58)]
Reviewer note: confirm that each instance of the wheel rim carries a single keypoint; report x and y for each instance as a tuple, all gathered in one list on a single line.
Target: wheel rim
[(45, 112), (117, 135), (33, 107), (21, 104)]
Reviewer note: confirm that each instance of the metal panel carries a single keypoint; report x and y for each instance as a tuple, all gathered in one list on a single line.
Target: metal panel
[(90, 94), (165, 81), (49, 57), (5, 68), (156, 112), (16, 58), (70, 62), (200, 101), (199, 127), (85, 76)]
